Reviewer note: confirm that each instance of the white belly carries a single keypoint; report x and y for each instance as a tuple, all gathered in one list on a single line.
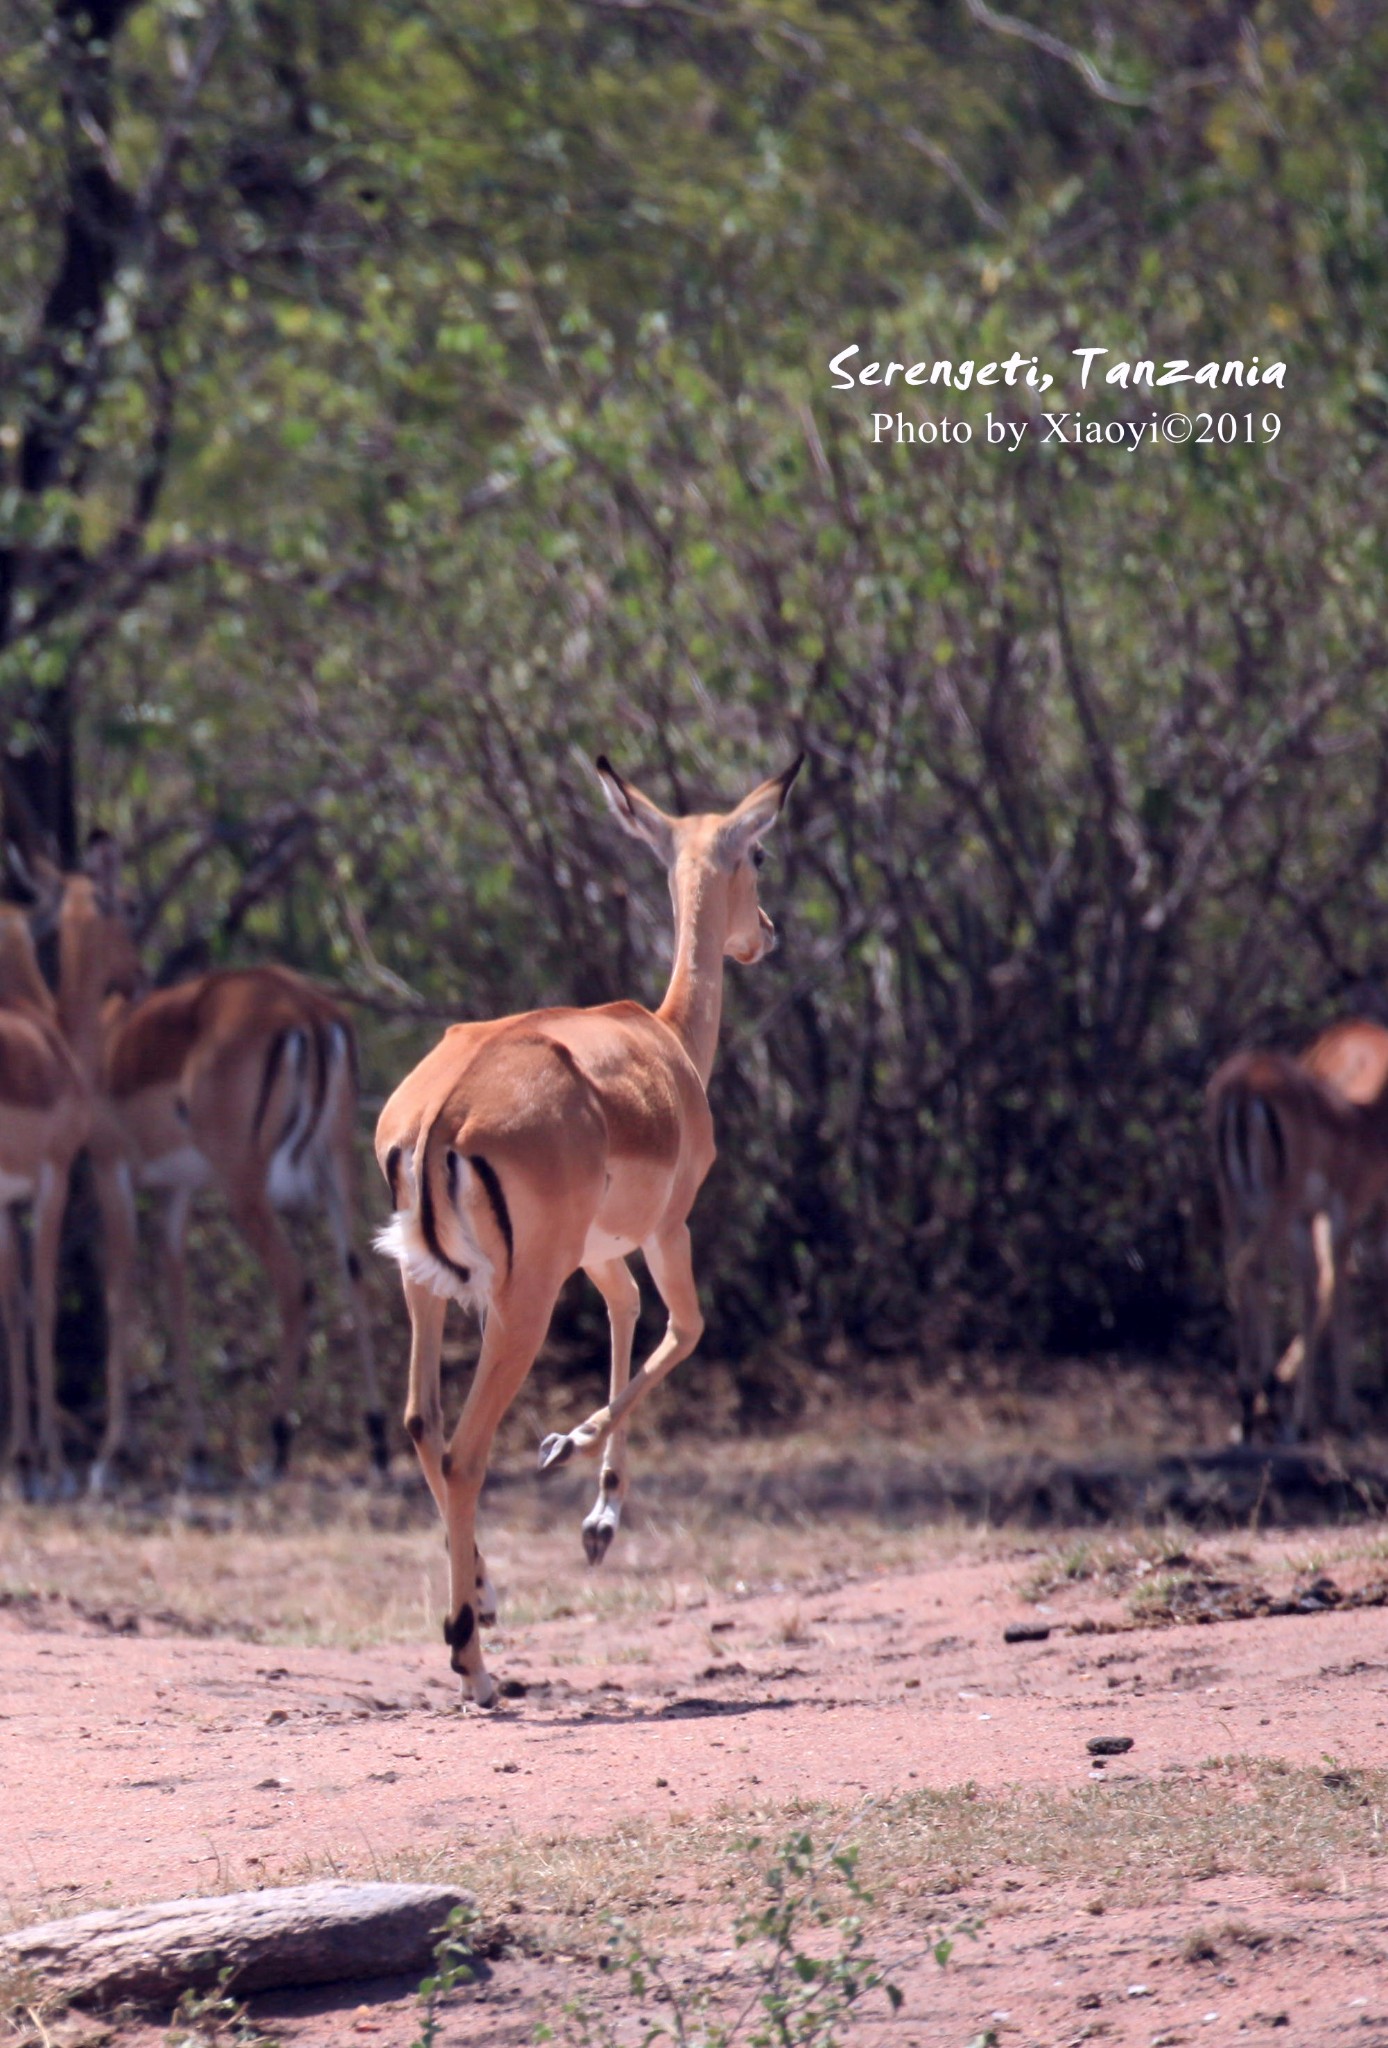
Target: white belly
[(599, 1246), (184, 1167)]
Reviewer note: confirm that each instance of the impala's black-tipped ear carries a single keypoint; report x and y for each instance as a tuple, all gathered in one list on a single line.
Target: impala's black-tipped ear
[(757, 813), (636, 813)]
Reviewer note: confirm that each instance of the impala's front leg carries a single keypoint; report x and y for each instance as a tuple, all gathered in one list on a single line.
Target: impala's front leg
[(672, 1270), (115, 1196), (613, 1280), (18, 1449), (49, 1202)]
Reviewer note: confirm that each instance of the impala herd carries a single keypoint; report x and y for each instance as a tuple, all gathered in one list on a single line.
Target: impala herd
[(516, 1152)]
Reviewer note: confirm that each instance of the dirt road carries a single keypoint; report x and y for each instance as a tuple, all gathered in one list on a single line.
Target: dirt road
[(1220, 1880)]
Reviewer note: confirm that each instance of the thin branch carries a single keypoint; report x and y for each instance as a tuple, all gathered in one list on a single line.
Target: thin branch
[(1065, 53), (988, 216)]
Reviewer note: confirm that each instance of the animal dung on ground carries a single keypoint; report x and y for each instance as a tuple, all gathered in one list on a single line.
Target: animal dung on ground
[(1026, 1632), (1109, 1745), (303, 1934)]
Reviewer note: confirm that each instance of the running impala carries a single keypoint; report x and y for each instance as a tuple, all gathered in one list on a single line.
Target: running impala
[(521, 1149)]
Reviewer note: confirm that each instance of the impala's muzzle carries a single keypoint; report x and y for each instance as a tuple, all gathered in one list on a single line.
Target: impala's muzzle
[(748, 952)]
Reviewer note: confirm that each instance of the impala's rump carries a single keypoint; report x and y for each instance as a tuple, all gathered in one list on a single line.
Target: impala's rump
[(1249, 1142), (455, 1227)]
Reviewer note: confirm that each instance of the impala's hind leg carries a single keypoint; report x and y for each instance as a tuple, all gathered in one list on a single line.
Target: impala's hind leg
[(513, 1334), (1316, 1265), (1252, 1304), (255, 1218), (339, 1207), (613, 1280), (178, 1209)]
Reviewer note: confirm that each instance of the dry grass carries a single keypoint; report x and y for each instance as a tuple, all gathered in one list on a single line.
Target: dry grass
[(337, 1566), (931, 1853)]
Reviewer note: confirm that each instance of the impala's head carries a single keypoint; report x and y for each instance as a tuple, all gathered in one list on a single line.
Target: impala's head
[(96, 940), (721, 849)]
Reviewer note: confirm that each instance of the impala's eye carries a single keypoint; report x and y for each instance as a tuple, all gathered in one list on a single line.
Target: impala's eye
[(758, 856)]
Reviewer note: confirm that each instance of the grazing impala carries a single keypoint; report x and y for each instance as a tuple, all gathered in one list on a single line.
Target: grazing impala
[(522, 1149), (243, 1080), (49, 1053), (1301, 1158)]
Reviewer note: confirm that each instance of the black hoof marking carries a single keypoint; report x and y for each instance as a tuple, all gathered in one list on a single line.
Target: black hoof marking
[(446, 1464), (459, 1632), (353, 1268), (555, 1450), (596, 1541), (415, 1425)]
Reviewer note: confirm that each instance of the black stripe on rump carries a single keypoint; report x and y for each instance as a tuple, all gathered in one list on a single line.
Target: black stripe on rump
[(322, 1047), (487, 1174), (269, 1078), (428, 1224)]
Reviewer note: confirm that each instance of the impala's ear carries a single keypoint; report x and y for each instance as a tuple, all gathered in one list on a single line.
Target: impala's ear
[(757, 813), (101, 862), (636, 813), (41, 882)]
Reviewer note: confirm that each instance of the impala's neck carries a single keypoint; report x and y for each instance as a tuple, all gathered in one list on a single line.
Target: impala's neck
[(693, 1005), (80, 993)]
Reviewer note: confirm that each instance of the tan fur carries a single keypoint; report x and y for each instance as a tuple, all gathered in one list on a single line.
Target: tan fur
[(1351, 1056), (47, 1079), (1298, 1165), (242, 1080), (594, 1125)]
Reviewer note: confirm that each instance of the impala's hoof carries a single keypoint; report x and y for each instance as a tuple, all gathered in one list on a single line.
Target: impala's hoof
[(555, 1450), (481, 1689), (600, 1525)]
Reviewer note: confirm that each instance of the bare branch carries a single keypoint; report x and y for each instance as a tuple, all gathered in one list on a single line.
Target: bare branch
[(1065, 53)]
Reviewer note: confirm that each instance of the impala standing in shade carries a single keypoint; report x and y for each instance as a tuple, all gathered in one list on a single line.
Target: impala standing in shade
[(243, 1081), (50, 1051)]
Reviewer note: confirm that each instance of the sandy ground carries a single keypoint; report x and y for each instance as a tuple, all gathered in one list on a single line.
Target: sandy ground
[(715, 1678)]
